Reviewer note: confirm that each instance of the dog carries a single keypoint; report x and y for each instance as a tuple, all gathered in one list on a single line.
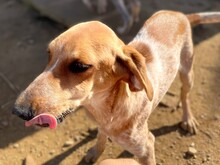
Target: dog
[(120, 85), (129, 18)]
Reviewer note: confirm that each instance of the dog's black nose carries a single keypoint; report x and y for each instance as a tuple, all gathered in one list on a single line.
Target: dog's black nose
[(24, 114)]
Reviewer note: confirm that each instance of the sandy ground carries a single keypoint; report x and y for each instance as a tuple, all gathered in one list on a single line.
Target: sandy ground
[(23, 41)]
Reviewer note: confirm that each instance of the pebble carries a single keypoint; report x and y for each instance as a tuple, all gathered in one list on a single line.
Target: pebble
[(192, 144), (52, 152), (84, 133), (29, 160), (77, 138), (191, 151), (206, 158), (217, 117), (4, 123), (67, 132), (39, 154), (3, 157), (16, 145), (42, 141), (68, 143), (33, 149), (172, 146)]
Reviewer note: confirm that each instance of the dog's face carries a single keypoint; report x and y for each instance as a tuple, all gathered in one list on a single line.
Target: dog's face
[(86, 59)]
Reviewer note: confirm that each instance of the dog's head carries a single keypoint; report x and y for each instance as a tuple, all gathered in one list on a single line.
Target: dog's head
[(86, 59)]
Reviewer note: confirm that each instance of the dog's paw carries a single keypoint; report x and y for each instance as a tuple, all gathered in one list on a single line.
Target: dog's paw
[(92, 155), (190, 125)]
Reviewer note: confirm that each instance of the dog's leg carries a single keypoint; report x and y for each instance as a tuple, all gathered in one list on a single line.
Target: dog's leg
[(135, 6), (149, 156), (189, 123), (89, 5), (94, 152), (102, 6), (142, 146), (127, 19)]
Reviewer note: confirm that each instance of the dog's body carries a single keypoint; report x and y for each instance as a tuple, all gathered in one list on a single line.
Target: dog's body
[(119, 84), (128, 17)]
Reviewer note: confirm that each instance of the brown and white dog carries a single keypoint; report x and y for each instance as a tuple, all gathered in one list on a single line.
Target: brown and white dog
[(129, 14), (120, 85)]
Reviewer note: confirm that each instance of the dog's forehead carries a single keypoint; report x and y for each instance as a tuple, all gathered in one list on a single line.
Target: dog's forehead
[(86, 40), (87, 34)]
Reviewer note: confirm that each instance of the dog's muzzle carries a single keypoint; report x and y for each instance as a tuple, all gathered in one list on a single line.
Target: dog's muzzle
[(24, 114)]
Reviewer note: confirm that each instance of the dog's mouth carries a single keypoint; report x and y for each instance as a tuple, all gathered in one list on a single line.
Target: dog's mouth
[(44, 120), (47, 120)]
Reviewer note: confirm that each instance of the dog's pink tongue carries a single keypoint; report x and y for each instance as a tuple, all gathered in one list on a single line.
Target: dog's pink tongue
[(43, 119)]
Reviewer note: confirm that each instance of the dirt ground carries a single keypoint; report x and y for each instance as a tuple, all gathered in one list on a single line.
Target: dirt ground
[(24, 36)]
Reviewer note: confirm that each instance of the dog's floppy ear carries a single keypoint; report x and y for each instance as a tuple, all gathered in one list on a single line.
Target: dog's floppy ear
[(136, 65)]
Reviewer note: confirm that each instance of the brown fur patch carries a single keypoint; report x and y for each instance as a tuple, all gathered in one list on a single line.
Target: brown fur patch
[(166, 26), (143, 49)]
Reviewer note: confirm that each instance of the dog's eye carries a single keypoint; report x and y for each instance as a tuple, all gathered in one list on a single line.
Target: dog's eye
[(78, 67)]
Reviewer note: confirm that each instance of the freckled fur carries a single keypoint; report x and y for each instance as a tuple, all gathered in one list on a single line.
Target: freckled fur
[(125, 82)]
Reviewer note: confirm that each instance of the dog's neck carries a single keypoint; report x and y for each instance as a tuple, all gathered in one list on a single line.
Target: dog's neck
[(114, 111)]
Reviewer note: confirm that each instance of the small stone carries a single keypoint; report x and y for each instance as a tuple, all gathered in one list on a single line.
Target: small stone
[(208, 159), (191, 151), (67, 132), (29, 160), (39, 155), (179, 137), (42, 141), (203, 116), (16, 145), (68, 143), (4, 123), (3, 157), (204, 160), (216, 117), (84, 133), (77, 138), (192, 144), (208, 155), (52, 152)]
